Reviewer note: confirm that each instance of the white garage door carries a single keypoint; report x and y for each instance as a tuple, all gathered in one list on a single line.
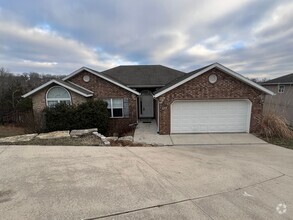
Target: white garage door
[(210, 116)]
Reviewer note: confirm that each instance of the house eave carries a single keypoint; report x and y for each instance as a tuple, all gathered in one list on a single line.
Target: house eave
[(145, 86), (101, 76), (224, 69), (58, 83), (275, 84)]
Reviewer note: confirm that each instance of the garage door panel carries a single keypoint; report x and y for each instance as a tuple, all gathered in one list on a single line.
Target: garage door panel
[(210, 116)]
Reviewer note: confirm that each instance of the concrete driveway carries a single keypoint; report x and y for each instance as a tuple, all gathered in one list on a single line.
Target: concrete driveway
[(147, 133), (202, 182), (215, 139)]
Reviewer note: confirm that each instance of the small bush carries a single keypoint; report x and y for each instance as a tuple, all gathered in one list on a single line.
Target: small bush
[(92, 114), (59, 117), (275, 126)]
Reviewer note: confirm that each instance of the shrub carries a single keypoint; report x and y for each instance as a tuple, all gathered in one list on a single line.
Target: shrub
[(91, 114), (59, 117), (274, 125)]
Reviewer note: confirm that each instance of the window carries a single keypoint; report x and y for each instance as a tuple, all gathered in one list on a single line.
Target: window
[(281, 88), (115, 107), (57, 94)]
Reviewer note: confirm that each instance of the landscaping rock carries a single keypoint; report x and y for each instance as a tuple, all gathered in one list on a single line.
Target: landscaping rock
[(98, 134), (54, 135), (103, 138), (18, 138), (126, 138), (112, 138), (81, 132), (107, 143)]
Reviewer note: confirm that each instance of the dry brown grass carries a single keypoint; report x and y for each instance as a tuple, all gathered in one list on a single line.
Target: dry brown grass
[(10, 130), (87, 140), (275, 126)]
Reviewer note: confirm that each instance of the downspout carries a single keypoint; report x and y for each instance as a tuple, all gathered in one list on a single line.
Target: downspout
[(158, 116)]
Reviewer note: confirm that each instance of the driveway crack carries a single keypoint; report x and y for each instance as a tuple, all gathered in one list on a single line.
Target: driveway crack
[(188, 199), (136, 210), (240, 188), (162, 175)]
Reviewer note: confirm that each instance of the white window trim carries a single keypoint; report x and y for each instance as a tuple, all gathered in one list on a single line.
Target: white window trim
[(279, 87), (57, 99), (111, 108)]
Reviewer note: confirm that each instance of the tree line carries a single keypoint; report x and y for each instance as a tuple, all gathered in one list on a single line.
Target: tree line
[(13, 86)]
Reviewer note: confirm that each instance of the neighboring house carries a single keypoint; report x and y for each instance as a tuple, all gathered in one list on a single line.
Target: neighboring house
[(210, 99), (282, 102)]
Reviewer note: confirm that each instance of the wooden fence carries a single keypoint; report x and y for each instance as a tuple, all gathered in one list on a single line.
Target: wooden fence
[(17, 117)]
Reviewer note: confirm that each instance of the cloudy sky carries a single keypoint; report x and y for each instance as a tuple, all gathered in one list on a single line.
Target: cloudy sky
[(252, 37)]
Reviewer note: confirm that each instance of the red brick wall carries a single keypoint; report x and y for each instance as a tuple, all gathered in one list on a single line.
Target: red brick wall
[(200, 88), (103, 89), (39, 103)]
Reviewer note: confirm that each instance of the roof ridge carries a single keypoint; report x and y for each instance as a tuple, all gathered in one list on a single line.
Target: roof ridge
[(141, 65), (60, 83), (280, 77)]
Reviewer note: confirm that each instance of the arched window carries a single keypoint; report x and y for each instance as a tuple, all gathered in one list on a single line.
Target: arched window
[(57, 94)]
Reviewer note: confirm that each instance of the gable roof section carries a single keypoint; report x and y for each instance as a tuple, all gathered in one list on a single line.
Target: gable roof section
[(287, 79), (198, 72), (70, 86), (105, 77), (175, 81), (138, 76)]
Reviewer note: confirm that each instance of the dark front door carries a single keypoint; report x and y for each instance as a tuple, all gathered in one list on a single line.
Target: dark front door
[(146, 105)]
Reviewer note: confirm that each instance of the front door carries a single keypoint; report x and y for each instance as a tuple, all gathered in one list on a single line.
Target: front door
[(146, 105)]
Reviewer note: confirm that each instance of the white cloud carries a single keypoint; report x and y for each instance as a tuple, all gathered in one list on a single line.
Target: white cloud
[(42, 48), (214, 47), (30, 63), (253, 37), (202, 51), (172, 42), (278, 19), (213, 40)]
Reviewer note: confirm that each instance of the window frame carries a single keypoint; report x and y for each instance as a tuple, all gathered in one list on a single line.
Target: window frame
[(59, 100), (111, 107), (281, 88)]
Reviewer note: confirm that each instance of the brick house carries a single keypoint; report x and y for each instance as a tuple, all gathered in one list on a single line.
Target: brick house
[(210, 99)]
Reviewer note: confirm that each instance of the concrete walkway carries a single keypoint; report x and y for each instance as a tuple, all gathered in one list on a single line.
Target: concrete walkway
[(147, 133), (215, 139)]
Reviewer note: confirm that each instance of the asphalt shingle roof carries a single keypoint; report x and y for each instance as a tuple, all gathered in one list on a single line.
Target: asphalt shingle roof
[(288, 79), (143, 75)]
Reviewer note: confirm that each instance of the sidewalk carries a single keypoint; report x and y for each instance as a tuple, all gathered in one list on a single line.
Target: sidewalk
[(147, 133)]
